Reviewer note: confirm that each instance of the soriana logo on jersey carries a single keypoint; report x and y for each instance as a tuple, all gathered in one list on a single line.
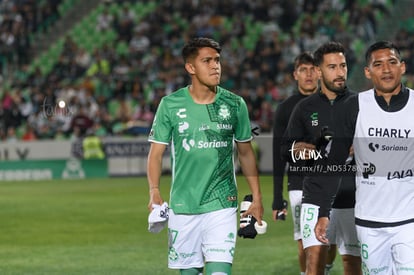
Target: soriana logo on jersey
[(188, 144)]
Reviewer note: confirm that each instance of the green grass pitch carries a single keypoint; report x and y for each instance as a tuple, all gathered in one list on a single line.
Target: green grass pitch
[(99, 226)]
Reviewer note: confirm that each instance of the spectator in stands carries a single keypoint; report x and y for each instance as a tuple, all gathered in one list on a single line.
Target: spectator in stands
[(81, 122), (155, 56), (100, 66), (29, 134), (104, 20), (124, 22), (139, 43), (11, 135)]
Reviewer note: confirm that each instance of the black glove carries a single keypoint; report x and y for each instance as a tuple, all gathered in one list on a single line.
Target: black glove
[(247, 229), (325, 136), (281, 215)]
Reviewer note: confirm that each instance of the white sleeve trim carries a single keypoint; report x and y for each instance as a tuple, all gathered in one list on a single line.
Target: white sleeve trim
[(244, 140), (159, 142)]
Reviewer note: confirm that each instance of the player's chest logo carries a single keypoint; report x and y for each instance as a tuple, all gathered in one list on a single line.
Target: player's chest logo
[(314, 119)]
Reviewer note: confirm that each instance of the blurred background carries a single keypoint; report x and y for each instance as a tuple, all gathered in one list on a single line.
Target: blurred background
[(105, 64), (71, 68)]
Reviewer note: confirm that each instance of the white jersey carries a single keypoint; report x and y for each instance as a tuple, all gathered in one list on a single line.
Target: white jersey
[(384, 154)]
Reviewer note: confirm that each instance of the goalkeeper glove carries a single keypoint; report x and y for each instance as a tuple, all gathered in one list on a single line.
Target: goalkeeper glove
[(280, 214), (247, 229)]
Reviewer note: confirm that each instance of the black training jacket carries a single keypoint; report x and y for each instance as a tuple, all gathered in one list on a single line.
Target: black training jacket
[(310, 116), (295, 182)]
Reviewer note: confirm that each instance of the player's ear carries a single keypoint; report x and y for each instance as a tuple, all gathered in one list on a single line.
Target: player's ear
[(367, 72), (295, 75), (318, 71), (189, 68), (403, 67)]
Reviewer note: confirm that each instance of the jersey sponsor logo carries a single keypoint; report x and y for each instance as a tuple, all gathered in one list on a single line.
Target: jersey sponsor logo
[(211, 144), (368, 169), (188, 144), (181, 113), (223, 126), (389, 133), (314, 119), (204, 127), (400, 174), (224, 112), (182, 126), (187, 255), (375, 146)]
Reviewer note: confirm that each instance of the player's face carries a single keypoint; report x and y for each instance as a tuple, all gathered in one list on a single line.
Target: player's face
[(385, 71), (206, 67), (307, 78), (333, 72)]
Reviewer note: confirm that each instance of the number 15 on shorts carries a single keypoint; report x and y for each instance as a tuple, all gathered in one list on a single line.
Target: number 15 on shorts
[(308, 213)]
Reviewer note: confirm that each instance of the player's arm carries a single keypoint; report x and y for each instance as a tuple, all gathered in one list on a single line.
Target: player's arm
[(294, 138), (154, 167), (279, 163), (249, 167)]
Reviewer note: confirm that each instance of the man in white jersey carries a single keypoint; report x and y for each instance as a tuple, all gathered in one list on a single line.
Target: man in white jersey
[(202, 122), (381, 119)]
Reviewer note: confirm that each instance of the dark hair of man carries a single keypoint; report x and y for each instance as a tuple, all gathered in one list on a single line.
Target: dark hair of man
[(326, 48), (380, 45), (190, 50), (304, 58)]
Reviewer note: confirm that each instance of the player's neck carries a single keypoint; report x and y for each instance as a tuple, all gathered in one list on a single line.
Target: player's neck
[(388, 95), (202, 94)]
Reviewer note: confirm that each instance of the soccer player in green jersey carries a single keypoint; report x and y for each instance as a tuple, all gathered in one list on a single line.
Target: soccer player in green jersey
[(203, 122)]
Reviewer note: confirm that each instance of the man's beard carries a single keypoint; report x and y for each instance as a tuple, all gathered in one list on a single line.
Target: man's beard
[(337, 90)]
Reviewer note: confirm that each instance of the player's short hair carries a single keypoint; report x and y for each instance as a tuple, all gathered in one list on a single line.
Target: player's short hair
[(190, 50), (326, 48), (303, 58), (380, 45)]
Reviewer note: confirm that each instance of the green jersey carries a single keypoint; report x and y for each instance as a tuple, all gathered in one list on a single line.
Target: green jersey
[(202, 140)]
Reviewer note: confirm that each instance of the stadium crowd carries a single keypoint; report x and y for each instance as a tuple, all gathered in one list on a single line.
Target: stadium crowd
[(112, 92)]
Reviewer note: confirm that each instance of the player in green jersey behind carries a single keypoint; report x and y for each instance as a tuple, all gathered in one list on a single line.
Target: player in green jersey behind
[(202, 122)]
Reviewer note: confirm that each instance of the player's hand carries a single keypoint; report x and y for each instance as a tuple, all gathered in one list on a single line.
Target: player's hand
[(320, 230), (256, 210), (281, 213), (351, 150), (303, 149), (155, 198)]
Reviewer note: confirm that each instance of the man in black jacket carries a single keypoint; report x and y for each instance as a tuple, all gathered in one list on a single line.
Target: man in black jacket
[(307, 80), (313, 126)]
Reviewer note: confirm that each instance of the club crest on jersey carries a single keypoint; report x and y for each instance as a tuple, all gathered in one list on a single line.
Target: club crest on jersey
[(224, 112)]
